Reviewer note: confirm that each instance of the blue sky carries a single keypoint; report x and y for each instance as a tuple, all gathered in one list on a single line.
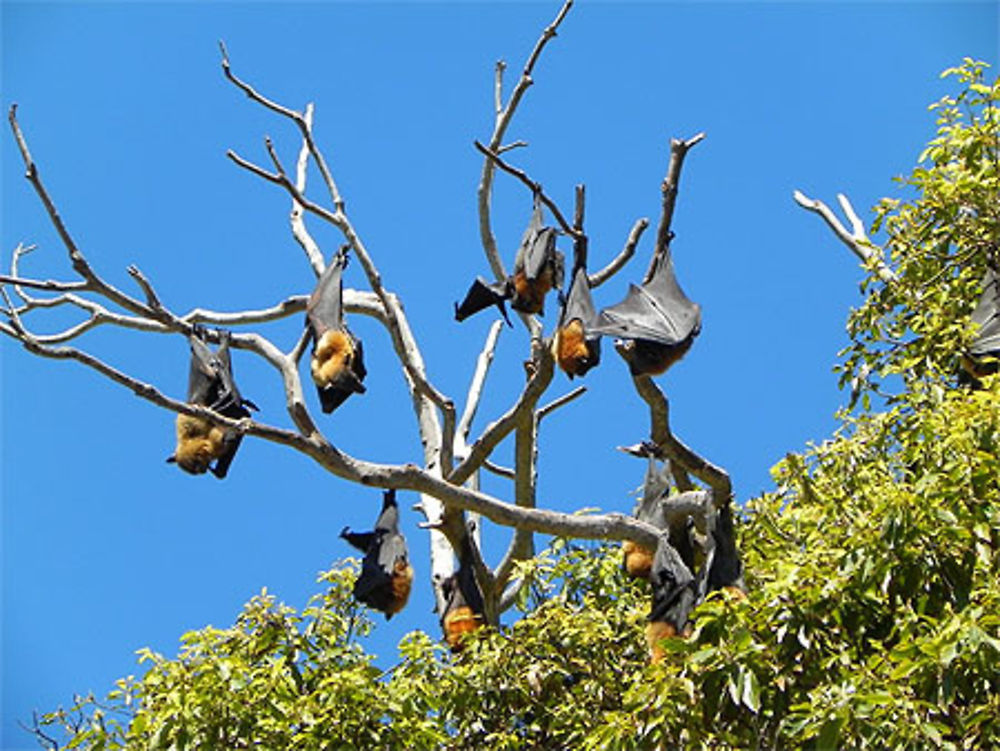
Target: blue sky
[(107, 549)]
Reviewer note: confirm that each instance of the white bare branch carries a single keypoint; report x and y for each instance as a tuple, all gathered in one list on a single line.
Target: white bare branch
[(856, 239)]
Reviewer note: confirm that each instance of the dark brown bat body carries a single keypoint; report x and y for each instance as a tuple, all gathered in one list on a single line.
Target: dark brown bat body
[(210, 384), (538, 268), (656, 321), (338, 365), (983, 357), (463, 611), (386, 575)]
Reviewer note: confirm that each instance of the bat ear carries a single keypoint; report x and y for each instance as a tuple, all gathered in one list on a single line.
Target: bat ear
[(172, 459)]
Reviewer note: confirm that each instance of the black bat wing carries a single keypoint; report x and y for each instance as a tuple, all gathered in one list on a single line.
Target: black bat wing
[(987, 316), (324, 310), (231, 442), (374, 586), (673, 586), (579, 303), (658, 311), (481, 295), (363, 541), (204, 383)]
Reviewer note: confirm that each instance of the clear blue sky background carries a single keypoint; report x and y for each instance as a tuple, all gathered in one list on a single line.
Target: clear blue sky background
[(107, 549)]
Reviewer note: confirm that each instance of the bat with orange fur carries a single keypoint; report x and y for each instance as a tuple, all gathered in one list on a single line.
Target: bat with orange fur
[(386, 575), (538, 268), (201, 445), (338, 363)]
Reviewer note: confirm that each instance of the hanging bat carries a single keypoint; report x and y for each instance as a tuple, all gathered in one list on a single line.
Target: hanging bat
[(657, 321), (674, 597), (463, 611), (338, 363), (576, 346), (983, 357), (638, 560), (538, 267), (386, 575), (210, 384)]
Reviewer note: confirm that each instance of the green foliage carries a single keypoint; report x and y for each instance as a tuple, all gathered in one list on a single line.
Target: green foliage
[(873, 613), (938, 245)]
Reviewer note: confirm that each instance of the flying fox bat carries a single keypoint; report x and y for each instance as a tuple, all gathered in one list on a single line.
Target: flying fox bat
[(576, 345), (386, 574), (338, 363), (638, 560), (210, 384), (463, 610), (538, 267), (674, 597), (983, 357), (657, 320)]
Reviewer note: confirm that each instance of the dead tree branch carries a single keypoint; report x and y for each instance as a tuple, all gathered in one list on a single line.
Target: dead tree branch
[(856, 239)]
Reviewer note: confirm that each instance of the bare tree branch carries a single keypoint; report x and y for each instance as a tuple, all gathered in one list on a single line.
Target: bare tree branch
[(502, 427), (619, 261), (297, 221), (504, 114), (561, 401), (505, 472), (669, 189), (298, 118), (80, 264), (478, 381), (675, 450), (533, 186), (856, 240)]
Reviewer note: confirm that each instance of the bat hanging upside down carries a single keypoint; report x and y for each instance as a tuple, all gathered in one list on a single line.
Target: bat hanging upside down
[(210, 384), (463, 611), (386, 575), (338, 364), (538, 268), (576, 346), (657, 321)]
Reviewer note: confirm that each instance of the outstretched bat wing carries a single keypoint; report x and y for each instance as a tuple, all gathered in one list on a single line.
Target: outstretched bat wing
[(324, 311), (482, 295), (987, 316), (658, 311)]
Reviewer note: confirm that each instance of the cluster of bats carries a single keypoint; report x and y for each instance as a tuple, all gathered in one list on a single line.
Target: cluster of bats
[(656, 324), (656, 321)]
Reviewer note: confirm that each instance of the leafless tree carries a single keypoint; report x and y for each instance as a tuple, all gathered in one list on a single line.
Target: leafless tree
[(446, 476)]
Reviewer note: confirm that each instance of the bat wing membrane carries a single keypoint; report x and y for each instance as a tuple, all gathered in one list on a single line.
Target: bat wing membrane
[(324, 311), (987, 316)]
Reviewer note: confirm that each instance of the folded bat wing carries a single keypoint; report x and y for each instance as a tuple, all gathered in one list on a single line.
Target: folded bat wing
[(324, 311), (987, 316), (579, 303), (658, 311)]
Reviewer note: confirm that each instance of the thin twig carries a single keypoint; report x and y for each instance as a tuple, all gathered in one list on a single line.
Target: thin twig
[(619, 261), (562, 400), (535, 187), (669, 190), (295, 217), (475, 391), (856, 240)]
